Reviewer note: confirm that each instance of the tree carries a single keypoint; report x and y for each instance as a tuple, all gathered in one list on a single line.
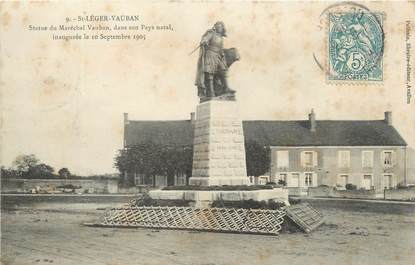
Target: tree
[(28, 166), (177, 161), (8, 173), (23, 163), (64, 173), (152, 159), (258, 158), (144, 158), (41, 171)]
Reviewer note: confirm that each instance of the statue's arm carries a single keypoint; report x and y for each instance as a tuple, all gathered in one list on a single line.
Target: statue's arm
[(206, 37)]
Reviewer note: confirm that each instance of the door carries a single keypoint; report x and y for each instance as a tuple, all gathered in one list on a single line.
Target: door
[(294, 180), (343, 180), (308, 180), (282, 179), (387, 181), (367, 182)]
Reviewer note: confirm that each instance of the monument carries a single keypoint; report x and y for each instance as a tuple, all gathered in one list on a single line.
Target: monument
[(218, 144), (218, 148)]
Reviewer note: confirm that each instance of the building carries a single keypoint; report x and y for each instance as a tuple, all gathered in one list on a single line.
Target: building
[(369, 154)]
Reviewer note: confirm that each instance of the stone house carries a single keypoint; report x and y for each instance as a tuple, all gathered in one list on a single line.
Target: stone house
[(369, 154)]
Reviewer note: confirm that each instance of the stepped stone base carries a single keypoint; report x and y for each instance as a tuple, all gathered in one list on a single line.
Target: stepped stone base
[(203, 199), (218, 149)]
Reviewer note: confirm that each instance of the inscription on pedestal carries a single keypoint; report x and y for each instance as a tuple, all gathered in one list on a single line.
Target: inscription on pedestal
[(219, 151)]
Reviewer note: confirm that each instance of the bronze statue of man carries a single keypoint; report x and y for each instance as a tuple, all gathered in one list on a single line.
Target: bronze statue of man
[(212, 67)]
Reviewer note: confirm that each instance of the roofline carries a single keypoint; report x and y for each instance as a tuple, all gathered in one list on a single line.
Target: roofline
[(270, 121), (156, 120), (336, 146)]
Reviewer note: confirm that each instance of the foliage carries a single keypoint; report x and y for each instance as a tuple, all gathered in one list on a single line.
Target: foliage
[(23, 163), (402, 185), (146, 200), (282, 182), (152, 159), (68, 186), (221, 188), (41, 171), (8, 173), (258, 158), (350, 186), (64, 172), (249, 204), (28, 166)]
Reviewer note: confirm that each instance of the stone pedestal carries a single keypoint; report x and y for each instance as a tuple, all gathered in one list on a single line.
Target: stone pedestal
[(218, 148), (204, 199)]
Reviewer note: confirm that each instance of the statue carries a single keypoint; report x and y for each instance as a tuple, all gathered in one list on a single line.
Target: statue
[(213, 64)]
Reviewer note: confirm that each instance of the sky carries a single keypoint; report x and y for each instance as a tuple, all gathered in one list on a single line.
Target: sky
[(64, 100)]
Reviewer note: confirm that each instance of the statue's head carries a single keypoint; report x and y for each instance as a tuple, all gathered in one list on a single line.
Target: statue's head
[(219, 27)]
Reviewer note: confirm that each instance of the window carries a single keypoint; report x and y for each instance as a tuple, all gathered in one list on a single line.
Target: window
[(282, 159), (138, 179), (294, 180), (387, 158), (181, 180), (387, 181), (282, 177), (344, 159), (262, 180), (367, 182), (308, 179), (342, 180), (149, 180), (367, 159), (309, 158)]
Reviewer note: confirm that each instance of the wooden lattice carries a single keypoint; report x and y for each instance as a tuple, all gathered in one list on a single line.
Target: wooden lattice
[(257, 221), (305, 216)]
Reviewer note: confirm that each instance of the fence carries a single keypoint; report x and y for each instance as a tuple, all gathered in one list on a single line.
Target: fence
[(258, 221), (406, 194)]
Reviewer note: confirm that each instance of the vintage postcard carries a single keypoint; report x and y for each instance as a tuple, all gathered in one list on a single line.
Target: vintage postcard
[(207, 132)]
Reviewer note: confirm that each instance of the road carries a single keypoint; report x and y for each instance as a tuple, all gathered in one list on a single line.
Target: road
[(354, 233)]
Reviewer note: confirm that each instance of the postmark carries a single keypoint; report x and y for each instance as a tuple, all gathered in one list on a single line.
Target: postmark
[(355, 46)]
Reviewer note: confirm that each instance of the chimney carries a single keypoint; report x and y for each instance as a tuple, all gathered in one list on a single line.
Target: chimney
[(125, 118), (312, 120), (192, 118), (388, 117)]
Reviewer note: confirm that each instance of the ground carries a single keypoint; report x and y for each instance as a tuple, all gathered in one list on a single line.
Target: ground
[(355, 232)]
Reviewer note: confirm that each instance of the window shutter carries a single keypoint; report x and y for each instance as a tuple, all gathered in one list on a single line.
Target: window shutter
[(302, 156), (393, 158), (314, 180), (382, 158), (315, 158)]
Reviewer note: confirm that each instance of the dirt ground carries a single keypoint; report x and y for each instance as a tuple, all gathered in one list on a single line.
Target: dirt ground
[(354, 233)]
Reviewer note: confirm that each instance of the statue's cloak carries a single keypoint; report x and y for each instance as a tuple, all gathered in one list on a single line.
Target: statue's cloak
[(200, 73)]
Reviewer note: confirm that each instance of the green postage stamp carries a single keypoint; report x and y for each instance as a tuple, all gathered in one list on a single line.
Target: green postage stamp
[(355, 46)]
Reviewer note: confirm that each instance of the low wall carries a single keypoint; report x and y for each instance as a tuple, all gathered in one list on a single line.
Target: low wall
[(407, 194), (297, 191), (321, 191), (324, 191), (133, 189), (355, 194), (87, 185)]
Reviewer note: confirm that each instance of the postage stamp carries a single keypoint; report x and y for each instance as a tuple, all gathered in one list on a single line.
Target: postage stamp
[(355, 46)]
